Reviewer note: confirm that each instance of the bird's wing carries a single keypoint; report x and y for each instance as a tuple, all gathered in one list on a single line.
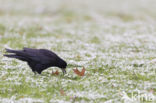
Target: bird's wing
[(32, 54), (47, 53), (41, 55), (48, 56)]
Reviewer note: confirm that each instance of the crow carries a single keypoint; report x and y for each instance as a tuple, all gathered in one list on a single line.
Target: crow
[(38, 59)]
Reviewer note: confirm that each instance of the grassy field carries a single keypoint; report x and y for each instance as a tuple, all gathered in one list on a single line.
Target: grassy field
[(115, 40)]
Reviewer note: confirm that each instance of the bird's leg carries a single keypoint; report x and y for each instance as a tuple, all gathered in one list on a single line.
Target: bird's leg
[(64, 71)]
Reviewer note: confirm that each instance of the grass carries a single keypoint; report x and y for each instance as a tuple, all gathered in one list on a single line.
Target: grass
[(116, 48)]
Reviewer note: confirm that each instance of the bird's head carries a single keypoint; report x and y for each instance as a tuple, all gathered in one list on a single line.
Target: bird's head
[(62, 64)]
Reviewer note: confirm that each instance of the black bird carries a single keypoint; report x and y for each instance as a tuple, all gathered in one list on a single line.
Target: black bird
[(38, 59)]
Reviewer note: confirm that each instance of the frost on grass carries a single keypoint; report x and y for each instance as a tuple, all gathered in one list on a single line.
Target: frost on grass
[(115, 42), (23, 100)]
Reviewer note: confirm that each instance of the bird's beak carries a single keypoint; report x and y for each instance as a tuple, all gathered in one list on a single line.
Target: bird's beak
[(64, 71)]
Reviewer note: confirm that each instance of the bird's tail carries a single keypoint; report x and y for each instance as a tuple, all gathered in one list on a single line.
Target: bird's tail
[(10, 56), (11, 51), (15, 54)]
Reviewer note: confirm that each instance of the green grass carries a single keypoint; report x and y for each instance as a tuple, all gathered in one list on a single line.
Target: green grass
[(117, 49)]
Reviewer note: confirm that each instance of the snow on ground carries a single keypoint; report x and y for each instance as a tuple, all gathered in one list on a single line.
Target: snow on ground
[(114, 41)]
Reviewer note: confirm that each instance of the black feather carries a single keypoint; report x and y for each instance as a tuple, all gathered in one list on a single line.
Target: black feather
[(38, 59)]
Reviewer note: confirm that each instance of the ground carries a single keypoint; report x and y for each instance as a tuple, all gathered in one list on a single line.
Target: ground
[(115, 40)]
